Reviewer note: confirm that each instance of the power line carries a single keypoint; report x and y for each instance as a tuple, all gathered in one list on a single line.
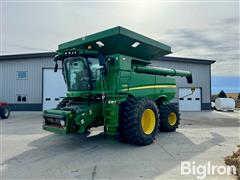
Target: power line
[(26, 47)]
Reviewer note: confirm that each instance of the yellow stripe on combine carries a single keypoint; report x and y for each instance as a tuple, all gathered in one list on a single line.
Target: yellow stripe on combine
[(150, 87)]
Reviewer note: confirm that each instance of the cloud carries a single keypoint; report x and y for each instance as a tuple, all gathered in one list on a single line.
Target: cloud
[(220, 42), (198, 30), (230, 21)]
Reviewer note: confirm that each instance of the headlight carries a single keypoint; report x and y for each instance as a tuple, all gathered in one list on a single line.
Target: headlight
[(62, 122), (111, 102)]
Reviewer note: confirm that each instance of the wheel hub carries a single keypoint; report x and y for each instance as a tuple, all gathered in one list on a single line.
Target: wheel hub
[(148, 121), (5, 111), (172, 118)]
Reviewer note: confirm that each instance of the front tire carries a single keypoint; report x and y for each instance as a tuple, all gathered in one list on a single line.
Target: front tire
[(139, 121), (5, 112), (169, 118)]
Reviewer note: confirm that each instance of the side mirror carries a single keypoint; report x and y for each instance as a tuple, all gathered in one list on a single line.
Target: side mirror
[(56, 67), (189, 79), (103, 63)]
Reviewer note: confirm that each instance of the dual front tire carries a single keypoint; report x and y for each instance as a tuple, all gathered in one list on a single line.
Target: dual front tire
[(169, 118), (140, 120)]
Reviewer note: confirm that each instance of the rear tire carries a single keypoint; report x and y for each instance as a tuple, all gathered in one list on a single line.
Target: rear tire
[(139, 121), (169, 118), (5, 112)]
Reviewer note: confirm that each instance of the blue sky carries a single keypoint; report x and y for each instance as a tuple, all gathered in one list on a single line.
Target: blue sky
[(228, 84), (197, 29)]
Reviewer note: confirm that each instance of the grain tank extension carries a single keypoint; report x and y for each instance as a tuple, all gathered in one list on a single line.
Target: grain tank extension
[(111, 83)]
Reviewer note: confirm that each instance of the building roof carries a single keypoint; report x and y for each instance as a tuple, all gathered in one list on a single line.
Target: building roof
[(119, 40), (51, 55), (27, 56)]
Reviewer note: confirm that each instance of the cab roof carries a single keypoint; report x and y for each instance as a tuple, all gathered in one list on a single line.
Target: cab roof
[(122, 41)]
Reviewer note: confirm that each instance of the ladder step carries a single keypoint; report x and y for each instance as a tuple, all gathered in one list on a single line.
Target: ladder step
[(109, 125), (109, 117)]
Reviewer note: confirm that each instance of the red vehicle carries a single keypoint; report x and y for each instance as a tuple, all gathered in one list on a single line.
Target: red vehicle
[(4, 110)]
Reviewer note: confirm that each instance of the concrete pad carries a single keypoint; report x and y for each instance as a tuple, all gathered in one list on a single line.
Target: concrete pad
[(28, 152)]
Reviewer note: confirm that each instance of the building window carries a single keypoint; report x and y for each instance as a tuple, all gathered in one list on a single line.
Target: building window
[(21, 98), (22, 74), (24, 98)]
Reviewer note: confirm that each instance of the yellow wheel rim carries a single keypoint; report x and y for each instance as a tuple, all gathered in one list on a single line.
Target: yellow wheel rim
[(172, 118), (148, 121)]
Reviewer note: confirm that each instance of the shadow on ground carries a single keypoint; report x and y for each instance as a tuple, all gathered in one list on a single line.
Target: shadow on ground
[(79, 156)]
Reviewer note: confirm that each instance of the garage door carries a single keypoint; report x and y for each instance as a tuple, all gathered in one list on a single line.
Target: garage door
[(54, 88), (189, 102)]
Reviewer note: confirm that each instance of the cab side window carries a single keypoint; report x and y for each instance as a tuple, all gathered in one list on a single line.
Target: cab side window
[(95, 68)]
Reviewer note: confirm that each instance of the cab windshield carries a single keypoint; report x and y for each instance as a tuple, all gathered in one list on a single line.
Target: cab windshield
[(81, 73)]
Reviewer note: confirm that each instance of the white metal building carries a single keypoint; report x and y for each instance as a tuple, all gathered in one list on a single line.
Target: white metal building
[(28, 82)]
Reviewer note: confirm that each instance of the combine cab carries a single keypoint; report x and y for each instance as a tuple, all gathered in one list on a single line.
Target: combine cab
[(111, 82)]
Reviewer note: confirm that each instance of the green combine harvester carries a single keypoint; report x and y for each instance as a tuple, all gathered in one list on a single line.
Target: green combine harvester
[(111, 83)]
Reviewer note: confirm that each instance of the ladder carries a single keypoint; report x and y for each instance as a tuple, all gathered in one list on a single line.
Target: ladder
[(110, 108)]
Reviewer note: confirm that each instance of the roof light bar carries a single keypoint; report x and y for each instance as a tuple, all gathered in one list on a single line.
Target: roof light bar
[(71, 52)]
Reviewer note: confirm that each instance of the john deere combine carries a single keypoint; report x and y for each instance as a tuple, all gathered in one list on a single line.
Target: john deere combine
[(111, 82)]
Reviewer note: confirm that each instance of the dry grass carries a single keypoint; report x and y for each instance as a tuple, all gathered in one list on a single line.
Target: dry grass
[(232, 95), (234, 160)]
